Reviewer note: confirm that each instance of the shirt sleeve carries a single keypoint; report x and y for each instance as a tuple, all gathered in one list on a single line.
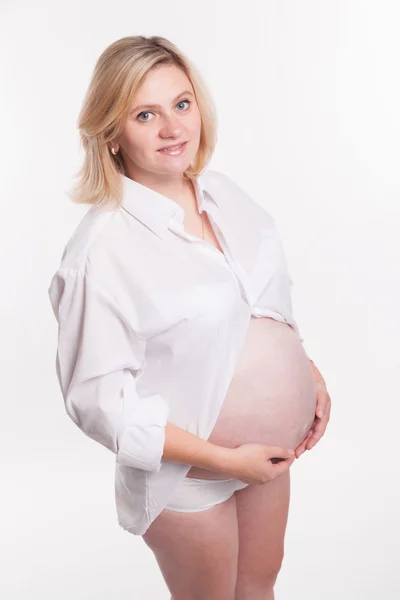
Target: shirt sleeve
[(99, 358), (270, 274), (287, 289), (275, 284)]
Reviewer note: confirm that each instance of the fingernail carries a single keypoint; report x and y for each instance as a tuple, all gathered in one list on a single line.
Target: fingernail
[(320, 413)]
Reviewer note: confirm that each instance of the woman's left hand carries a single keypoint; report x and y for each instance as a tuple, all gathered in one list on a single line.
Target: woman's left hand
[(322, 411)]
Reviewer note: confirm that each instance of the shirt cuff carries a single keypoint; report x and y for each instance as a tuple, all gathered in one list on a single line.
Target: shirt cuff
[(142, 442)]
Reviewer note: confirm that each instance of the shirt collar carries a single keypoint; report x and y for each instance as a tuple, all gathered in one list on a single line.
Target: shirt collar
[(154, 209)]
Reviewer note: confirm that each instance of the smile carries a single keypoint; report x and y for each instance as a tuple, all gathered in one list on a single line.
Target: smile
[(173, 150)]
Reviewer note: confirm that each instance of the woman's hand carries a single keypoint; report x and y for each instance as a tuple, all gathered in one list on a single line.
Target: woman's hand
[(322, 411), (255, 464)]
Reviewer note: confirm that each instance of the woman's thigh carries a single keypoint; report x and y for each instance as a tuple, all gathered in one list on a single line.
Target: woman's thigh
[(262, 514), (197, 552)]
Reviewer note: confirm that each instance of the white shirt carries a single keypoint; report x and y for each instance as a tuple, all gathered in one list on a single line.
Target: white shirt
[(151, 321)]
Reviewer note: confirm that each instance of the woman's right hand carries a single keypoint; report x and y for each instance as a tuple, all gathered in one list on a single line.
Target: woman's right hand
[(251, 463)]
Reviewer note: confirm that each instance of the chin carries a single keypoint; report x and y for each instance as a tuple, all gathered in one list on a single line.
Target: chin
[(179, 167)]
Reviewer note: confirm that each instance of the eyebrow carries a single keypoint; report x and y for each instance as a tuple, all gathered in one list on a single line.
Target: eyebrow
[(158, 105)]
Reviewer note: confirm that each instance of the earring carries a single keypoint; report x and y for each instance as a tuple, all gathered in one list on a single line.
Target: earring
[(113, 151)]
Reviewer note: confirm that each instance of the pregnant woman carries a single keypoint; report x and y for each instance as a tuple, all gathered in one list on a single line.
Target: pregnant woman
[(177, 345)]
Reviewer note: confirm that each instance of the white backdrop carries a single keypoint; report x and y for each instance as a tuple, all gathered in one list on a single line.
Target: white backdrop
[(308, 100)]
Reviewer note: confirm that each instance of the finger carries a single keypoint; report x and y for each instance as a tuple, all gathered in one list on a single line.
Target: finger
[(282, 466), (323, 401), (320, 405), (302, 447), (318, 431), (279, 452)]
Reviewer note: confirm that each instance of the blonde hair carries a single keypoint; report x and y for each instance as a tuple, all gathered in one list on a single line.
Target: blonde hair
[(118, 74)]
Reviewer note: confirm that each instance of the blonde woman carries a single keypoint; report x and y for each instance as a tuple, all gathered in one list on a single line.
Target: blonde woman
[(177, 346)]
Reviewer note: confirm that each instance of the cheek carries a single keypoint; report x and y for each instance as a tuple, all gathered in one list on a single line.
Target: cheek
[(195, 123), (139, 143)]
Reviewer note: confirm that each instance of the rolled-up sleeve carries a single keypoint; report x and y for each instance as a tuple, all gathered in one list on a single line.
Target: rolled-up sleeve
[(99, 358)]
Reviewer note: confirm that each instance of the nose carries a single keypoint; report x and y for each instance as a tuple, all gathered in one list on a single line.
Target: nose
[(171, 128)]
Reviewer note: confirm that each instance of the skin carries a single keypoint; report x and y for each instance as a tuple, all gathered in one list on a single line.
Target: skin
[(322, 414), (234, 550), (147, 130)]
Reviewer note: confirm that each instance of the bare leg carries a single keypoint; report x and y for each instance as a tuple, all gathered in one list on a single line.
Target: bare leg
[(262, 513), (197, 552)]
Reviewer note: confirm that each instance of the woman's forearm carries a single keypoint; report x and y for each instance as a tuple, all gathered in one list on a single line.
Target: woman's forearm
[(184, 447)]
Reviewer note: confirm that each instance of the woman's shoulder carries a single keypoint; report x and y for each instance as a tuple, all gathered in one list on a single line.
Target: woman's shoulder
[(90, 231)]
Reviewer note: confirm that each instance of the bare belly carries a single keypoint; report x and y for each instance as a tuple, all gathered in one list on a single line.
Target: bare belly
[(271, 399)]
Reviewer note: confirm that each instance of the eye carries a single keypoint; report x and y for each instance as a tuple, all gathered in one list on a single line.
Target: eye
[(182, 101), (147, 112)]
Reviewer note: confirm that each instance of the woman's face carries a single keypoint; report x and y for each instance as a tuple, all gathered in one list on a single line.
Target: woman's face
[(175, 119)]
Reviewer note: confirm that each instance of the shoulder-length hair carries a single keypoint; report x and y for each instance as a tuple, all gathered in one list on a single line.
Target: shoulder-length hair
[(117, 76)]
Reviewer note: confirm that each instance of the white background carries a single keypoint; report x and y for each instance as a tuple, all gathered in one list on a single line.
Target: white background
[(308, 100)]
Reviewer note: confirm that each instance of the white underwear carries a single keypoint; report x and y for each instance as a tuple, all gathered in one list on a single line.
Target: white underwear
[(194, 495)]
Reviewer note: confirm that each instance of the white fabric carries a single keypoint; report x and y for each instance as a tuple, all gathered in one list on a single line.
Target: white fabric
[(151, 322)]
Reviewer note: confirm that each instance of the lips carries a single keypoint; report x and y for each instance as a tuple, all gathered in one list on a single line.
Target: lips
[(174, 147)]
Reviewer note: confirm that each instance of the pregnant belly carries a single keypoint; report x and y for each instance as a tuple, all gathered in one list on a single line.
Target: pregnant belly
[(271, 398)]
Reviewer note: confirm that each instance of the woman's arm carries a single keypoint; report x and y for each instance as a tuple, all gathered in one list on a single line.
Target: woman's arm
[(181, 446)]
